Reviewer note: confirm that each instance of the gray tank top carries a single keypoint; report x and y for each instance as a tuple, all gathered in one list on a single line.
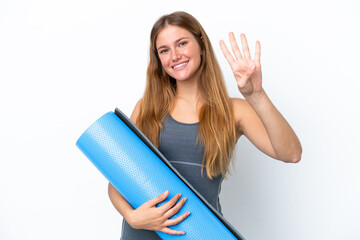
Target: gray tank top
[(177, 142)]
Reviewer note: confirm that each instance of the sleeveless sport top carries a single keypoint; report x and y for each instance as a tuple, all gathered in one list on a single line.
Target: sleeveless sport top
[(177, 142)]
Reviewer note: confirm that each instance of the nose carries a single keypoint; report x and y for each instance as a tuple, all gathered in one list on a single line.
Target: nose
[(176, 55)]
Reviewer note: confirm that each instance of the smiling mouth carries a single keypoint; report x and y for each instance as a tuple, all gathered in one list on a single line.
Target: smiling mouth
[(180, 66)]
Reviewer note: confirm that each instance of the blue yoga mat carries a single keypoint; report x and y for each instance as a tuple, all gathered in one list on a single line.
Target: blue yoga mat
[(137, 169)]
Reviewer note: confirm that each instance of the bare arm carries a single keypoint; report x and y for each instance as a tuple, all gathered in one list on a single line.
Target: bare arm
[(267, 129), (257, 118)]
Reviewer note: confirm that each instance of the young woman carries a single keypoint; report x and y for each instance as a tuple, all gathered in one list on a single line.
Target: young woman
[(187, 113)]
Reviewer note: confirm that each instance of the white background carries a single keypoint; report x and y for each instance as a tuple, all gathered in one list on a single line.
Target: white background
[(65, 63)]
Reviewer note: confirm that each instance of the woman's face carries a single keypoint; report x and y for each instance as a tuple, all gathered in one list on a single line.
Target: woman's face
[(179, 52)]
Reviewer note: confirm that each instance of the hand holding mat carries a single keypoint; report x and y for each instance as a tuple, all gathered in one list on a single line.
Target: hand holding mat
[(135, 167), (157, 214)]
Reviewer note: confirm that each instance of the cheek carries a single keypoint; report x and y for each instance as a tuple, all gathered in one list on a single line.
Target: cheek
[(164, 61), (165, 64), (193, 52)]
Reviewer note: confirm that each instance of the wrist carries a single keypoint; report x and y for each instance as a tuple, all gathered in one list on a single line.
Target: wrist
[(256, 97), (129, 217)]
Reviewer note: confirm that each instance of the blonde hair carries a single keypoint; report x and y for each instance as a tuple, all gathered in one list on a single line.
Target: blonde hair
[(216, 133)]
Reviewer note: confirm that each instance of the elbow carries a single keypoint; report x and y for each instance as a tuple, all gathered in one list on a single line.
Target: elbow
[(296, 157), (296, 154)]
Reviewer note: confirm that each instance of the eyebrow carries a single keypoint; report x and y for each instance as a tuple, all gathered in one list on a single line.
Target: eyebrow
[(178, 40)]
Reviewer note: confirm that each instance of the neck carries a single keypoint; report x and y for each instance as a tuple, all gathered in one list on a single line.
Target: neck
[(188, 89)]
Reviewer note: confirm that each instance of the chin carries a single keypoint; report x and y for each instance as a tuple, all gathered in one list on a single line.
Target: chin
[(182, 77), (178, 77)]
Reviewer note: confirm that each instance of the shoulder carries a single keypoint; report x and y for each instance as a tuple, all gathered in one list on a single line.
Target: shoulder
[(238, 101), (240, 108), (136, 111)]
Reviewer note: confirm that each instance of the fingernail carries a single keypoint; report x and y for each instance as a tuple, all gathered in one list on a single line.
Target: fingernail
[(252, 68), (185, 199), (166, 192)]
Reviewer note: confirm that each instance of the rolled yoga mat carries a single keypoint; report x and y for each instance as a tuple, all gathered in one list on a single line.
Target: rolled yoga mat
[(137, 169)]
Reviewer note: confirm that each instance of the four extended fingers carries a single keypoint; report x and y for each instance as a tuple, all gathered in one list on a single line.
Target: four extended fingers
[(237, 51)]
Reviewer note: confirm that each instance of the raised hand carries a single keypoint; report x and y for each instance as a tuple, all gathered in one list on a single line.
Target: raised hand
[(247, 71), (150, 217)]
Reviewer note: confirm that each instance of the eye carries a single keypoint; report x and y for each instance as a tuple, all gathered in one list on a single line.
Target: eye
[(163, 51), (182, 44)]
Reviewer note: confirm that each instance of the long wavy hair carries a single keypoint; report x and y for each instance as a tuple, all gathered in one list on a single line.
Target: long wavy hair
[(216, 133)]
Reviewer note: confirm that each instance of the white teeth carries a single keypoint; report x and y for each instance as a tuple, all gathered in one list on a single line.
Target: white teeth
[(180, 65)]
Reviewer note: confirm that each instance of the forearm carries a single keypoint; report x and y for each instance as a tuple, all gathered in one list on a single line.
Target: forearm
[(119, 202), (283, 139)]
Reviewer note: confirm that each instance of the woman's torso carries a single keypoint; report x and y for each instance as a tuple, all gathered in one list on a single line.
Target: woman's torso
[(177, 142)]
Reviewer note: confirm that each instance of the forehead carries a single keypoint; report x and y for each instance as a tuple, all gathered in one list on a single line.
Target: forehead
[(170, 34)]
